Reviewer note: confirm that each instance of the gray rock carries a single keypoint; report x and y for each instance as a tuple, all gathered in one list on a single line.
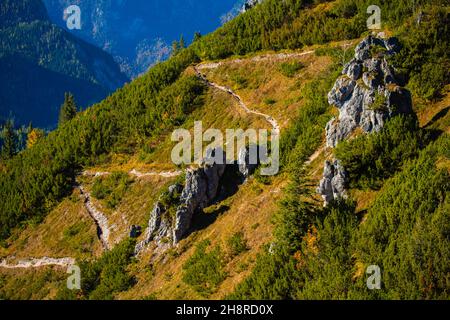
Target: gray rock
[(248, 159), (201, 188), (341, 91), (353, 69), (154, 225), (332, 185), (355, 101)]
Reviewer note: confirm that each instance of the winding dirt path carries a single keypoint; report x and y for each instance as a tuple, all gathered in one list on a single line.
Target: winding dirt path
[(264, 57), (99, 218), (136, 173), (38, 262), (270, 119)]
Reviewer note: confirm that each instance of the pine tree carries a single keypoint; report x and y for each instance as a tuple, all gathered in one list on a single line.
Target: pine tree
[(9, 147), (182, 44), (68, 109), (175, 47), (197, 36)]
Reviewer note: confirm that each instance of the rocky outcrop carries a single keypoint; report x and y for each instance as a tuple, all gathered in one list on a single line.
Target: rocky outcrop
[(250, 4), (332, 185), (367, 94), (248, 159), (200, 188)]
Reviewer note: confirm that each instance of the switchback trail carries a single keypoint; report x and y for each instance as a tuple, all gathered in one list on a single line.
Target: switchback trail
[(271, 120), (38, 262), (137, 174)]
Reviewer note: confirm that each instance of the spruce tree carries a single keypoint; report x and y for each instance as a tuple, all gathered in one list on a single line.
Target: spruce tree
[(175, 47), (182, 44), (197, 36), (68, 109), (9, 146)]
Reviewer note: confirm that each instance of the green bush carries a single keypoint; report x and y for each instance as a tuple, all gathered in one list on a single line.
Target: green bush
[(103, 278), (425, 55), (203, 271), (407, 230), (269, 101), (111, 188), (370, 159), (237, 244), (290, 69)]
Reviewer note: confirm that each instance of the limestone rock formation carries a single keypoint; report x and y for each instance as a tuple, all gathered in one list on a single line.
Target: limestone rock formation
[(200, 188), (248, 159), (332, 185), (367, 94)]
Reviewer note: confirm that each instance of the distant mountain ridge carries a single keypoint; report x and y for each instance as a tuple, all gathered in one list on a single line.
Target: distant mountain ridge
[(40, 61), (14, 12), (139, 33)]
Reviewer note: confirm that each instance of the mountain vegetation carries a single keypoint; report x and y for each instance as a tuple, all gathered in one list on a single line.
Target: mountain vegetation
[(395, 215)]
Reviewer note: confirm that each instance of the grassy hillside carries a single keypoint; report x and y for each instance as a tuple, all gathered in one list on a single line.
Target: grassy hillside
[(272, 238)]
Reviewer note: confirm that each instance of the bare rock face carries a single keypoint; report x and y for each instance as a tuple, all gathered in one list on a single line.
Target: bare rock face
[(200, 188), (367, 94), (157, 228), (332, 185), (248, 159)]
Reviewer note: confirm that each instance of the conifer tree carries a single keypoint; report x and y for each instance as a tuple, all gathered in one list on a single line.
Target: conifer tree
[(197, 36), (182, 44), (68, 109), (9, 147)]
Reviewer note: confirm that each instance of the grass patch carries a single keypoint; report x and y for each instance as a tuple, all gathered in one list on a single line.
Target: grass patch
[(290, 69), (111, 188)]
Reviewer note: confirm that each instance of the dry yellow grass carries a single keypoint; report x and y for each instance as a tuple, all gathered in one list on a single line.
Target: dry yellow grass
[(53, 238), (248, 211)]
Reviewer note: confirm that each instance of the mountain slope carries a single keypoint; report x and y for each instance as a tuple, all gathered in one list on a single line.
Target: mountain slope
[(267, 237), (47, 62)]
